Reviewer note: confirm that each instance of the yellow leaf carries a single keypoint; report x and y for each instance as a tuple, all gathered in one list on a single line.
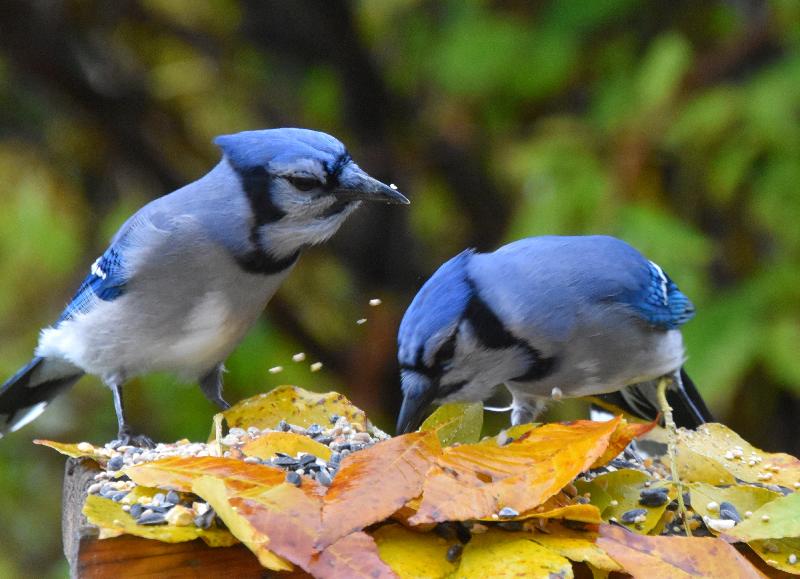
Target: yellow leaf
[(413, 555), (743, 497), (267, 445), (577, 546), (499, 554), (113, 522), (214, 491), (720, 445), (624, 487), (777, 519), (776, 553), (295, 406), (456, 423), (79, 450)]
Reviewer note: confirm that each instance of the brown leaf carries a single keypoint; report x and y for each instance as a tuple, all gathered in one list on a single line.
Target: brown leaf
[(674, 557), (179, 473), (379, 480), (476, 481), (352, 557)]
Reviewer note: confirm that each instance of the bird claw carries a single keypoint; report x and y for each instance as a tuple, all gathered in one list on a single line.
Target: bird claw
[(125, 437)]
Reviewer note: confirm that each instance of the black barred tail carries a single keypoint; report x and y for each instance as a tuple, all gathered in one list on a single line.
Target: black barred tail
[(688, 408), (26, 394)]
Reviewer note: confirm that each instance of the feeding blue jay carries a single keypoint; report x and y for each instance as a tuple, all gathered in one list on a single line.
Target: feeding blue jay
[(188, 274), (547, 317)]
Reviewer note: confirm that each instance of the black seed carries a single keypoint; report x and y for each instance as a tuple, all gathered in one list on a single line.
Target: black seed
[(510, 525), (152, 519), (654, 497), (323, 439), (583, 500), (324, 478), (160, 508), (728, 511), (284, 426), (285, 461), (173, 498), (136, 510), (314, 430), (115, 463), (118, 496), (107, 491), (307, 459), (687, 501), (293, 478), (336, 458), (204, 521), (446, 531), (631, 516), (454, 552), (462, 532), (334, 418)]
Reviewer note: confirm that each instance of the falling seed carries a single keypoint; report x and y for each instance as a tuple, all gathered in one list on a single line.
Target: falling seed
[(765, 518), (361, 321), (316, 366), (712, 506), (375, 302), (797, 485), (556, 393), (392, 186), (276, 370), (85, 447), (792, 559), (614, 503), (299, 357), (748, 514)]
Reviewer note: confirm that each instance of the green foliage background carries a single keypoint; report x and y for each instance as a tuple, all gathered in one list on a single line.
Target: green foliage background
[(674, 125)]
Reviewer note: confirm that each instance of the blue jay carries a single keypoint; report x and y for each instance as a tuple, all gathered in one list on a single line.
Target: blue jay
[(547, 317), (188, 274)]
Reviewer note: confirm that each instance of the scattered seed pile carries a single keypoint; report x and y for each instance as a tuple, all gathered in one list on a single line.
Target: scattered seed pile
[(183, 509)]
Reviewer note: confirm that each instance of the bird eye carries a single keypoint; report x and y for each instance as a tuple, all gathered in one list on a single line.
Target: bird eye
[(446, 352), (304, 183)]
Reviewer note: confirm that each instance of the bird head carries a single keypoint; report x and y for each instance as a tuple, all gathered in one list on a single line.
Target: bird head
[(301, 185), (452, 346)]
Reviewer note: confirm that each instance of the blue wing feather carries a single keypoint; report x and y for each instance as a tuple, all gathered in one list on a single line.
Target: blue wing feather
[(106, 281), (660, 302)]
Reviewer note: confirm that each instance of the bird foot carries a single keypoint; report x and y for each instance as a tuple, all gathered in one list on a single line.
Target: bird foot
[(127, 438)]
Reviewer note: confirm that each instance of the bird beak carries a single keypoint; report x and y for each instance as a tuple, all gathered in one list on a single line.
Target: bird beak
[(356, 185), (418, 395)]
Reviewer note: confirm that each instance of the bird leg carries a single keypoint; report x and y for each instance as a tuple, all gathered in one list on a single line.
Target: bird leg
[(211, 385), (672, 443), (525, 410), (125, 433)]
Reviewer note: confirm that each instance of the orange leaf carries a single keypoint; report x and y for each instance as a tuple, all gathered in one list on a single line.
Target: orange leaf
[(476, 481), (289, 516), (674, 557), (379, 480), (622, 436), (178, 473), (352, 557)]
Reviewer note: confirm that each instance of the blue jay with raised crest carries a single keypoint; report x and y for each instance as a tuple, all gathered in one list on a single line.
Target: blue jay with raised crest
[(548, 317), (188, 274)]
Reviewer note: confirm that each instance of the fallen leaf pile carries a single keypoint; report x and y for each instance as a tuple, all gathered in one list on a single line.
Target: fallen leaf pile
[(305, 481)]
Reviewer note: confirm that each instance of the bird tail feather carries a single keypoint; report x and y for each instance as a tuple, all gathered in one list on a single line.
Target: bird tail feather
[(688, 408), (25, 395)]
